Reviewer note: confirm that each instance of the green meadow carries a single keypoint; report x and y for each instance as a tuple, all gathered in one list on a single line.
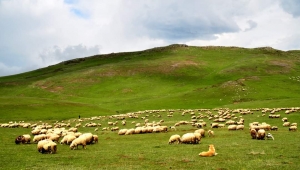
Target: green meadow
[(172, 77)]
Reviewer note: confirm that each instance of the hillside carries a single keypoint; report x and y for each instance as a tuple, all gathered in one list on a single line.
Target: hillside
[(171, 77)]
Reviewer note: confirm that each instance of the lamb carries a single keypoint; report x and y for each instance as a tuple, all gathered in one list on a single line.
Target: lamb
[(269, 135), (210, 133), (253, 133), (292, 128), (211, 151), (174, 138), (261, 134)]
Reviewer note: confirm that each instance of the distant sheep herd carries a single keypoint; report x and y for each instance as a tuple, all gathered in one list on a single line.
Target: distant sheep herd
[(47, 136)]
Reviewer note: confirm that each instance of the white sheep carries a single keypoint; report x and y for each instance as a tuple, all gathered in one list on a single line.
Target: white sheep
[(122, 131), (50, 147), (130, 131), (78, 141), (292, 128), (286, 124), (174, 138), (38, 138), (232, 127), (41, 144), (261, 133), (240, 127), (190, 138), (53, 137)]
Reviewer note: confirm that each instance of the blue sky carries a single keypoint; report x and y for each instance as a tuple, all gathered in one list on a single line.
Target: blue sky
[(38, 33)]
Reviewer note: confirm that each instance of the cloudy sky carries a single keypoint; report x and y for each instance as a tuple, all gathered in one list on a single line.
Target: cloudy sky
[(38, 33)]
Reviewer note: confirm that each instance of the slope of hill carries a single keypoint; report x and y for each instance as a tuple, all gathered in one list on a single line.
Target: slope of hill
[(176, 76)]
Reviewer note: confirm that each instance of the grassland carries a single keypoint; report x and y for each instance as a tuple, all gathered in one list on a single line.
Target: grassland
[(172, 77)]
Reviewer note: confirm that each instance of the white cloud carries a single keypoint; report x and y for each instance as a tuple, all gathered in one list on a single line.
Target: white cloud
[(37, 33)]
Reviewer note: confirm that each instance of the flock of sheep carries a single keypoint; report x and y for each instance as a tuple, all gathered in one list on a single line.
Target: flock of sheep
[(47, 136)]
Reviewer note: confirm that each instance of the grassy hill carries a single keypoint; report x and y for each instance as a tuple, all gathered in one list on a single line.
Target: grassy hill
[(171, 77)]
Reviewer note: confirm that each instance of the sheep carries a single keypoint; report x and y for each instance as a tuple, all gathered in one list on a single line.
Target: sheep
[(286, 124), (253, 133), (240, 127), (129, 131), (269, 135), (122, 131), (88, 137), (190, 138), (261, 134), (41, 143), (214, 125), (50, 147), (210, 133), (174, 138), (292, 128), (201, 132), (23, 139), (68, 139), (284, 119), (53, 137), (293, 124), (38, 138), (232, 127), (274, 128), (78, 141)]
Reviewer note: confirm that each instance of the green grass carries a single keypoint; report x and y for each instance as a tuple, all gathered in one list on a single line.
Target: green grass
[(172, 77), (236, 149)]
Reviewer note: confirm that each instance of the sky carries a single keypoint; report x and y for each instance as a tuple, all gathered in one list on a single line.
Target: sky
[(38, 33)]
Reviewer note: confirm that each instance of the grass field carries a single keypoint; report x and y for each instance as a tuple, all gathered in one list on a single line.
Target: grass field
[(236, 149), (171, 77)]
